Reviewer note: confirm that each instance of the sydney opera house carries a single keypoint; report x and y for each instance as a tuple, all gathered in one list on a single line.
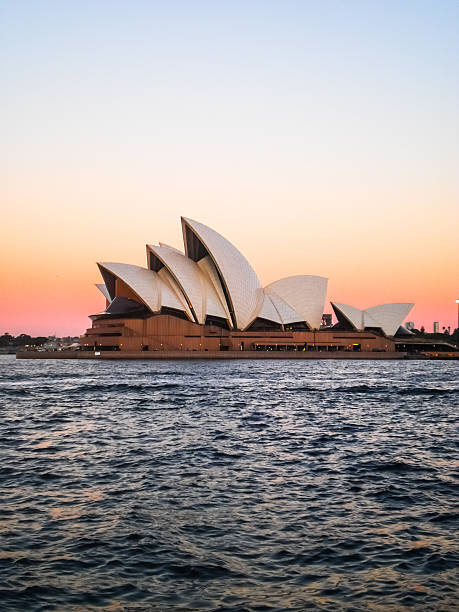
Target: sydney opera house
[(209, 298)]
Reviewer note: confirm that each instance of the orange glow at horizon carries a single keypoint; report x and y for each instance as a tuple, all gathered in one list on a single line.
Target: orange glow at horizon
[(49, 284)]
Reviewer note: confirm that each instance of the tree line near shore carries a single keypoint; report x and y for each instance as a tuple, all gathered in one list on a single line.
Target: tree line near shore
[(9, 341), (446, 335)]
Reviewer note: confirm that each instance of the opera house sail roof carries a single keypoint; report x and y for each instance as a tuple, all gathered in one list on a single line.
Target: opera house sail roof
[(212, 282), (387, 317)]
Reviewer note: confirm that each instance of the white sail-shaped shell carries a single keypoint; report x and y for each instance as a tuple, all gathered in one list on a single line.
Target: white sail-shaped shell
[(305, 294), (176, 291), (353, 315), (193, 280), (146, 284), (243, 290), (187, 275), (369, 320), (268, 311), (286, 312), (387, 317), (215, 303), (390, 316)]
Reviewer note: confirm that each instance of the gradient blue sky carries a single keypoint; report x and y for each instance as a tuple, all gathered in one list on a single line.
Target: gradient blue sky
[(319, 137)]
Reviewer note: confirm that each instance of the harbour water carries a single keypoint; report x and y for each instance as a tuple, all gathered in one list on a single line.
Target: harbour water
[(312, 485)]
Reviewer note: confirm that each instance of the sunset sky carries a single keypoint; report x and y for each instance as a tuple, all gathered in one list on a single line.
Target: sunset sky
[(318, 137)]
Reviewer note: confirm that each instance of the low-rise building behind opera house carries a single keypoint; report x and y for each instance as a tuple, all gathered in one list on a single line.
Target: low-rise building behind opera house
[(209, 298)]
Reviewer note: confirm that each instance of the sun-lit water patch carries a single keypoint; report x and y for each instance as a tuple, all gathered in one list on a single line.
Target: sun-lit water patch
[(289, 485)]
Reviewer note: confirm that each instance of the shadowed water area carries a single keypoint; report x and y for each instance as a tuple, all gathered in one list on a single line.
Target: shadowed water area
[(303, 485)]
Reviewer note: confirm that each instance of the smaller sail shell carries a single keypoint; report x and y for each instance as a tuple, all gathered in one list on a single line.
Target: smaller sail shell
[(269, 311), (387, 317), (305, 294), (286, 313), (390, 316), (146, 284), (353, 315)]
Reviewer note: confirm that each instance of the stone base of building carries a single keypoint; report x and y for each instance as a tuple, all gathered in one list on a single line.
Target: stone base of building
[(166, 332)]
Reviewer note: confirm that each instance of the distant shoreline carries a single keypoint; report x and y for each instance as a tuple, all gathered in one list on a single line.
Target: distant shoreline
[(226, 355)]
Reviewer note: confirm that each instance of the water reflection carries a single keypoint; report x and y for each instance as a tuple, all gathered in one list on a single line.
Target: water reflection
[(229, 485)]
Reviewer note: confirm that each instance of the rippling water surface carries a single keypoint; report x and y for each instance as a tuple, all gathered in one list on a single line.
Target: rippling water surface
[(304, 485)]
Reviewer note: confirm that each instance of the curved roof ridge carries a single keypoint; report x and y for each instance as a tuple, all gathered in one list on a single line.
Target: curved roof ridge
[(168, 246), (103, 289)]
